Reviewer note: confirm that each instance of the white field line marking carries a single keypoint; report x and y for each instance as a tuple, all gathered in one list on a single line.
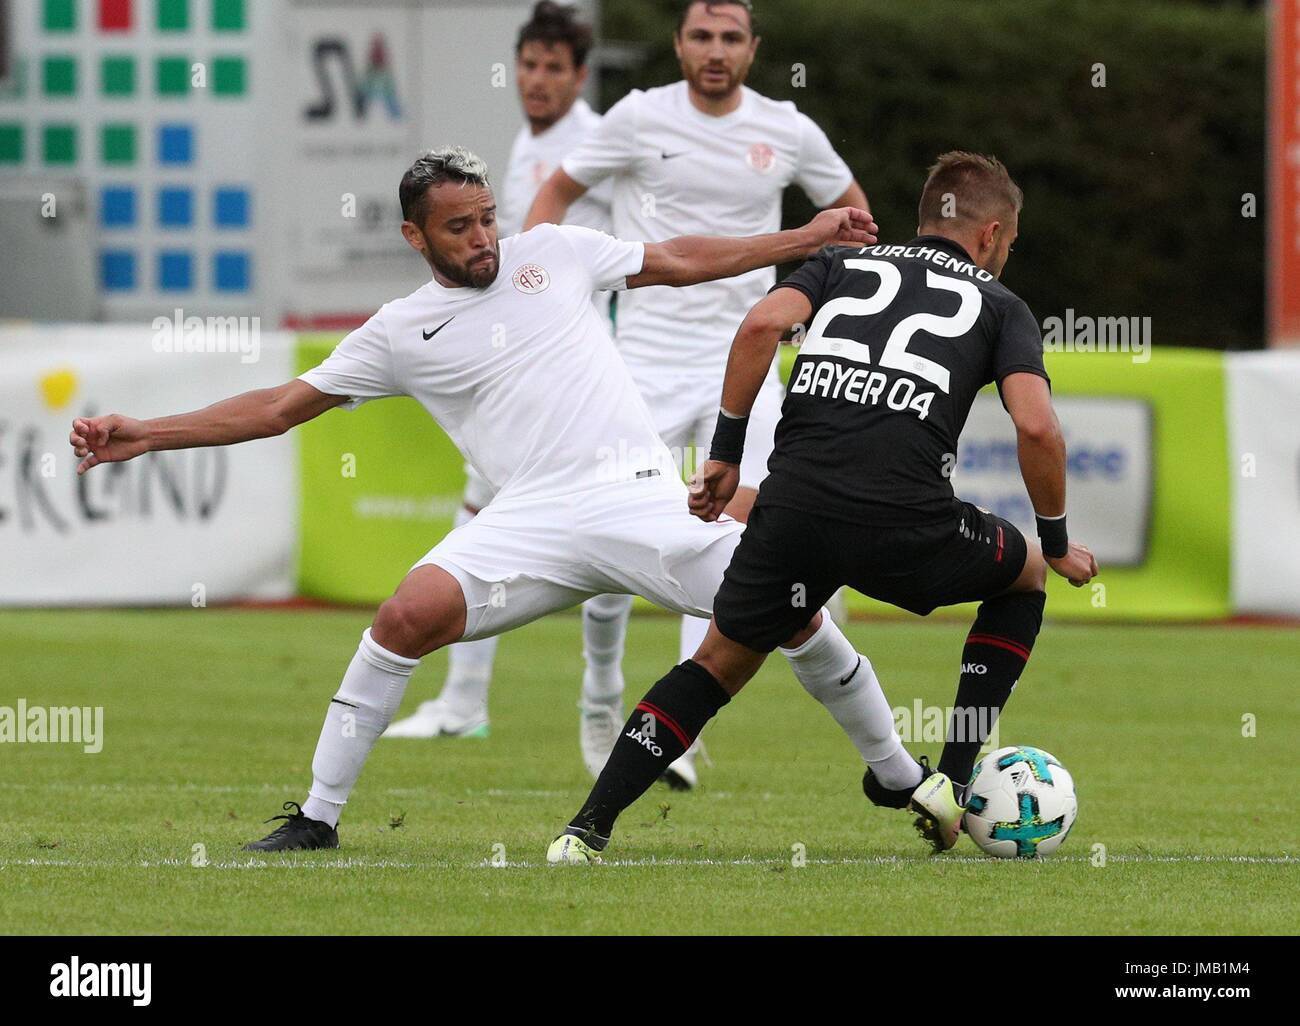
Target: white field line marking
[(398, 792), (293, 862)]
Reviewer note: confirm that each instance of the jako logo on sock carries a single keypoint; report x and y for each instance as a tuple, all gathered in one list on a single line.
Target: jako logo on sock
[(979, 669), (641, 739), (102, 979)]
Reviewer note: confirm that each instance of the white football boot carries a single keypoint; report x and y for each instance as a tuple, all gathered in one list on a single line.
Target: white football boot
[(599, 726), (682, 774), (435, 718)]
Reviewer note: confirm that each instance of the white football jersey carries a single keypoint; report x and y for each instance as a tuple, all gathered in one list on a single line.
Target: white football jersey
[(523, 375), (534, 158), (678, 171)]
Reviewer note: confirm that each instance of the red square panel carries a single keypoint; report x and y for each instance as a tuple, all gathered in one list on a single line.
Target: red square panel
[(114, 15)]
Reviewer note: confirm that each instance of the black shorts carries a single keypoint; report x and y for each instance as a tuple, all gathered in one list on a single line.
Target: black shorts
[(790, 562)]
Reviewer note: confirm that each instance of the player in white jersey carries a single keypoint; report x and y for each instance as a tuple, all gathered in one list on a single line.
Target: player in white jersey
[(551, 72), (504, 349), (703, 155)]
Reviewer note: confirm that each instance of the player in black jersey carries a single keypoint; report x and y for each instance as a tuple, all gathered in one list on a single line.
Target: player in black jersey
[(900, 338)]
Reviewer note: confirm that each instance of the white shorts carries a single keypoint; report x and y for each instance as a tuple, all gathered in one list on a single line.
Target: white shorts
[(521, 559), (686, 417)]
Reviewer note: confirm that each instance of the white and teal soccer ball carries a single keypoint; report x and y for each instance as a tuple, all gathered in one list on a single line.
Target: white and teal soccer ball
[(1020, 803)]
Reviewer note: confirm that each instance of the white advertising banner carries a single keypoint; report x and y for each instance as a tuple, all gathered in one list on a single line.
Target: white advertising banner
[(1109, 475), (1264, 449), (188, 527)]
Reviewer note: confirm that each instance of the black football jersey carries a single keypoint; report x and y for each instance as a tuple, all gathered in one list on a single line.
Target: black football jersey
[(900, 341)]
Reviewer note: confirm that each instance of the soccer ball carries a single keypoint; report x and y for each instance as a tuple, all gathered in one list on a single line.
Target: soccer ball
[(1020, 803)]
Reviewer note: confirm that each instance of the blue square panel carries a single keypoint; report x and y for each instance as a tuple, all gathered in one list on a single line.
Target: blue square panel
[(117, 207), (175, 144), (231, 271), (175, 208), (175, 270), (117, 269), (230, 208)]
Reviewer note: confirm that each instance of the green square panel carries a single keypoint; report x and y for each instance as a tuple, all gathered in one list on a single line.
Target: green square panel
[(117, 76), (228, 15), (11, 144), (173, 15), (59, 144), (59, 76), (172, 76), (229, 76), (117, 144), (59, 15)]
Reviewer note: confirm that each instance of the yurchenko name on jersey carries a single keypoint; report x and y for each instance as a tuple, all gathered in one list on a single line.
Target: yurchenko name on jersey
[(832, 380)]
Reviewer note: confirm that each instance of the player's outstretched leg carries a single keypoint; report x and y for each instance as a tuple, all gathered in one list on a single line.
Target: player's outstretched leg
[(662, 726), (996, 651), (461, 709), (845, 682), (427, 612), (600, 709)]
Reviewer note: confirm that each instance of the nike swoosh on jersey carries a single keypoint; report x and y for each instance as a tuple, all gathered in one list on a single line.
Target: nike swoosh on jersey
[(670, 156), (429, 334)]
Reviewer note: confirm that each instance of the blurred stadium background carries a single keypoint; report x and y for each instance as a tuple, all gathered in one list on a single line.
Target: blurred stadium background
[(198, 197)]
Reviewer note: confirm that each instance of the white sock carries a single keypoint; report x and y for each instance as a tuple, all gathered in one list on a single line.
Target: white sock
[(469, 672), (693, 630), (371, 691), (858, 704), (469, 664), (604, 630)]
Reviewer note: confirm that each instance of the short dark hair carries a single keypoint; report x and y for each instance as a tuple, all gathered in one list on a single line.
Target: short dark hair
[(710, 4), (449, 164), (970, 188), (553, 23)]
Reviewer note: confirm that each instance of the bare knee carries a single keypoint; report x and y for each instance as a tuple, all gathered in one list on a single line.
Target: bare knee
[(426, 613), (731, 664), (402, 628)]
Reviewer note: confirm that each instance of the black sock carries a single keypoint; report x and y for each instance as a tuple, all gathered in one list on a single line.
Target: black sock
[(995, 654), (662, 726)]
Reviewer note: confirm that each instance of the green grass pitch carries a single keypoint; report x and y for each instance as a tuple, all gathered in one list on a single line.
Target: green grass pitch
[(210, 718)]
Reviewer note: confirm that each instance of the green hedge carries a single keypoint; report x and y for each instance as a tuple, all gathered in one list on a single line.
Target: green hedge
[(1133, 191)]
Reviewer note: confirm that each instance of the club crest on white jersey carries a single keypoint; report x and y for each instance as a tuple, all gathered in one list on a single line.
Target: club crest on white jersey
[(531, 279), (761, 157)]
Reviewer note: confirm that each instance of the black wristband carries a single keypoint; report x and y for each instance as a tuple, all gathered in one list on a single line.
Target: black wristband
[(1053, 535), (728, 438)]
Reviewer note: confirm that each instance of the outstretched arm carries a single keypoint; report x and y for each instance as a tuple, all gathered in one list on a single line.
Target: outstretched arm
[(751, 355), (691, 259), (258, 414)]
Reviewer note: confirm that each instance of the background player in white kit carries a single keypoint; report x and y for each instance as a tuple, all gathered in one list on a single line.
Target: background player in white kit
[(704, 155), (587, 501), (551, 72)]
